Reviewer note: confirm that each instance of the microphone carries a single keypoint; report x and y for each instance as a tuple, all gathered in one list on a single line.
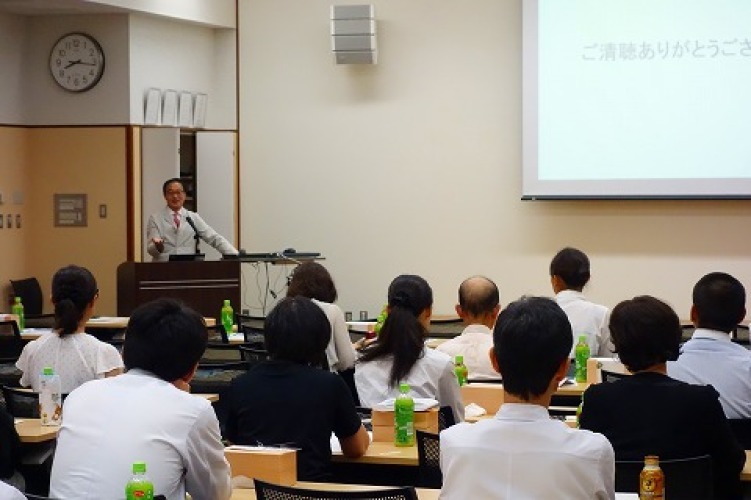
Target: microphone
[(192, 224)]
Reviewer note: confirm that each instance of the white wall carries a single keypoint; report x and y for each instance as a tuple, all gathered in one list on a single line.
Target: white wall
[(13, 47), (107, 103), (181, 56), (414, 165)]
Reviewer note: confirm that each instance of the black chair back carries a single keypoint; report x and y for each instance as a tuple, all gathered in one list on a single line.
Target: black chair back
[(31, 294), (22, 403), (685, 478), (10, 341), (268, 491), (741, 427), (253, 353), (445, 417), (428, 460)]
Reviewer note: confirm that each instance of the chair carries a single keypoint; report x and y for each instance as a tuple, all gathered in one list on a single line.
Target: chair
[(268, 491), (741, 427), (429, 473), (33, 303), (685, 478), (445, 417), (741, 335), (608, 376), (22, 403), (253, 353)]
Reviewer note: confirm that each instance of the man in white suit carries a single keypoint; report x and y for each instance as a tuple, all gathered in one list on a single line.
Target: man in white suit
[(172, 230)]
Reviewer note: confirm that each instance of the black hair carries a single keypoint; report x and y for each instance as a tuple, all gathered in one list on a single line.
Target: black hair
[(645, 332), (170, 181), (164, 337), (572, 266), (73, 289), (297, 330), (478, 295), (312, 280), (720, 302), (402, 335), (531, 338)]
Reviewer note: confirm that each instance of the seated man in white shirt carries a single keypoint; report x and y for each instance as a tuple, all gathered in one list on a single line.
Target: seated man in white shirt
[(146, 415), (710, 357), (522, 452), (569, 273), (478, 307)]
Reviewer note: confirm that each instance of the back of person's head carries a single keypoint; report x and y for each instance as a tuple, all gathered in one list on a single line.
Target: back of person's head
[(297, 330), (531, 338), (73, 289), (719, 301), (572, 266), (312, 280), (166, 338), (478, 296), (402, 335), (645, 332)]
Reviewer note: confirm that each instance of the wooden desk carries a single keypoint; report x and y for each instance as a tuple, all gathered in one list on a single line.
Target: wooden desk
[(31, 430), (490, 396), (384, 453), (103, 322), (250, 494)]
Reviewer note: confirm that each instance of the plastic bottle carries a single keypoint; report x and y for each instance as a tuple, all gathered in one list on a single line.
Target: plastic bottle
[(581, 356), (461, 370), (228, 317), (404, 417), (50, 400), (17, 309), (140, 486), (651, 479)]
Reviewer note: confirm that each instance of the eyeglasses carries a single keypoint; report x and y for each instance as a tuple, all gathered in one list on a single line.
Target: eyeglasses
[(175, 193)]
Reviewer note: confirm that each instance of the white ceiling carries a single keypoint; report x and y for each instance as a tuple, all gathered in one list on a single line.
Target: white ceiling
[(47, 7)]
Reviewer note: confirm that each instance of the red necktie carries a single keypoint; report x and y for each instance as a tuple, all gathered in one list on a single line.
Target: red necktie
[(176, 218)]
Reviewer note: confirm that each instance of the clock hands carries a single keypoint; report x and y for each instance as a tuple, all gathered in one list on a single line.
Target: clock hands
[(73, 63)]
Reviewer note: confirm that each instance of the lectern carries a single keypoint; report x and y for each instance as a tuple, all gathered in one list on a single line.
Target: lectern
[(203, 285)]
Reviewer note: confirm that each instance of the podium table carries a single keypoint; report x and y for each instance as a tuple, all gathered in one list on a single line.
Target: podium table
[(203, 285)]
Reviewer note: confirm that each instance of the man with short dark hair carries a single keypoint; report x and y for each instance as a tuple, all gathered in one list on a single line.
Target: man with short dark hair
[(145, 415), (710, 357), (479, 303), (172, 230), (569, 273), (522, 452)]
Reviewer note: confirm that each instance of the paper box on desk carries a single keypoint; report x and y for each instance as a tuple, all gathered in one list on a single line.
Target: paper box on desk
[(275, 465), (383, 423)]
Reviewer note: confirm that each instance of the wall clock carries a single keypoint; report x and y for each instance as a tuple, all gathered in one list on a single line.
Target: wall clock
[(77, 62)]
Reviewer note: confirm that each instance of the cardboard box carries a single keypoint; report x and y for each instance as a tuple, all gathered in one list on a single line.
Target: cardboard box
[(383, 423), (275, 465)]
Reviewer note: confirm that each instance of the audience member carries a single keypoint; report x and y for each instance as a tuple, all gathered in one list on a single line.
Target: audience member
[(312, 280), (649, 413), (478, 308), (147, 415), (522, 452), (399, 354), (710, 357), (74, 355), (569, 273), (289, 400)]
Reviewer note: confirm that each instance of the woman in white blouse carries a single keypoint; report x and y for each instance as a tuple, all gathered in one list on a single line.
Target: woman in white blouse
[(313, 281), (399, 354), (74, 355)]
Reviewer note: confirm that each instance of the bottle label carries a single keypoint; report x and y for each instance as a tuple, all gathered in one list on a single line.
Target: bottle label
[(404, 426), (652, 484)]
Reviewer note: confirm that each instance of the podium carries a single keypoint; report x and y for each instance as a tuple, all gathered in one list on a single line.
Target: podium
[(202, 285)]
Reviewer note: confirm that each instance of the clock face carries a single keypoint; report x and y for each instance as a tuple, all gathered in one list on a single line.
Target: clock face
[(77, 62)]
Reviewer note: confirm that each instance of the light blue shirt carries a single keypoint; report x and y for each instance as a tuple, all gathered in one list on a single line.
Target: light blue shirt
[(711, 358)]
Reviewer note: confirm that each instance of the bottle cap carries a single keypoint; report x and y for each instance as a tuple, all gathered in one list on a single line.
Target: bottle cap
[(404, 387), (139, 467), (226, 302), (652, 460), (47, 370), (18, 300), (459, 359), (583, 338)]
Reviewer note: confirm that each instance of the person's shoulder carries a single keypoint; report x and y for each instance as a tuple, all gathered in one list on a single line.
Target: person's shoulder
[(456, 434)]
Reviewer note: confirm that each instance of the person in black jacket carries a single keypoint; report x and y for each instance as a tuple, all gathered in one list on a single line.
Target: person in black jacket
[(650, 413)]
